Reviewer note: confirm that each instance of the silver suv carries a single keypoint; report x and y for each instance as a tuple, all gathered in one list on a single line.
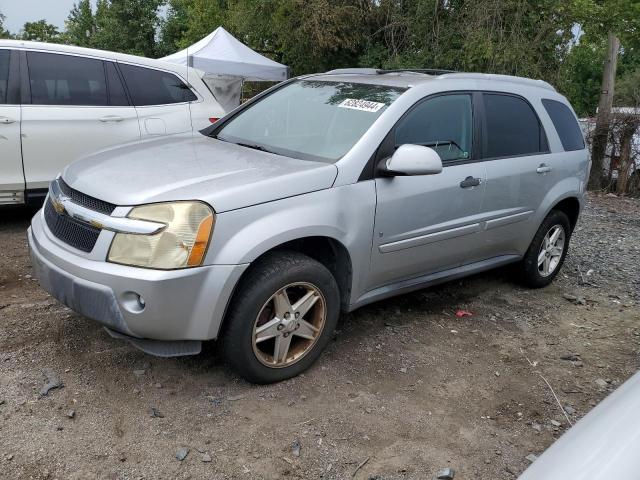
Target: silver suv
[(323, 194)]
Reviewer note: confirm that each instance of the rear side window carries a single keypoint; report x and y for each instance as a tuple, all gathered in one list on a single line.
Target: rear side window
[(153, 87), (117, 95), (566, 125), (5, 56), (66, 80), (512, 127), (444, 123)]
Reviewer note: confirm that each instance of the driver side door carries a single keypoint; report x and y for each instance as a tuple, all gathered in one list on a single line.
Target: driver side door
[(430, 223)]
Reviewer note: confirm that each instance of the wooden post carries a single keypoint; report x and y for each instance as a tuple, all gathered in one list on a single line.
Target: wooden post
[(603, 119)]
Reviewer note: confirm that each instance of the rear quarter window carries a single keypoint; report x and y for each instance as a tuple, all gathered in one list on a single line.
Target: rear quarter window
[(565, 124), (154, 87)]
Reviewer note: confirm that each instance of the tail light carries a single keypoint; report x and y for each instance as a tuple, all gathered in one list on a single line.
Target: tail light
[(214, 119)]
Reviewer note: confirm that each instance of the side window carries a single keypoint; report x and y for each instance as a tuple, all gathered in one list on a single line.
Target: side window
[(5, 56), (444, 123), (153, 87), (117, 94), (566, 125), (512, 127), (66, 80)]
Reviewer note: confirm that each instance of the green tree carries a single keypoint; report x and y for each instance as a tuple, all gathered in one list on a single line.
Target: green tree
[(80, 25), (127, 26), (3, 33), (40, 31)]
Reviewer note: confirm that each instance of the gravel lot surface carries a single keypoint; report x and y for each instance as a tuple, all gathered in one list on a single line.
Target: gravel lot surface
[(405, 390)]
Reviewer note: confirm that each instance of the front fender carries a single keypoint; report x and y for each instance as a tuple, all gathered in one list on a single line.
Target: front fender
[(345, 214)]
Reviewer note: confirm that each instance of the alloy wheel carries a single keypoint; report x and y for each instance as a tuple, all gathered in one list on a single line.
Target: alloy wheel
[(289, 324), (551, 250)]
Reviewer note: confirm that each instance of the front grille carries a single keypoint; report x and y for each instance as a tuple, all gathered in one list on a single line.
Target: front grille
[(70, 231), (85, 200)]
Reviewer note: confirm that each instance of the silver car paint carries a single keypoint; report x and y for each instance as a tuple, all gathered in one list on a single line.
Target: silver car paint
[(400, 233), (603, 445)]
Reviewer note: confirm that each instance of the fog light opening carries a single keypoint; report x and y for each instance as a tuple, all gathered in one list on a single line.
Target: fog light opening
[(133, 302)]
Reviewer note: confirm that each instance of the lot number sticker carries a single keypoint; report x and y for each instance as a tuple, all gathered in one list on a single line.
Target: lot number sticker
[(363, 105)]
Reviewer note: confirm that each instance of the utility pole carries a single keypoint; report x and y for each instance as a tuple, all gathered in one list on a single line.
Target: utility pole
[(603, 119)]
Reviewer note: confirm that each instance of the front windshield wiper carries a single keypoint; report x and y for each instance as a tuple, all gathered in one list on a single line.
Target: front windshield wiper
[(253, 146), (242, 144)]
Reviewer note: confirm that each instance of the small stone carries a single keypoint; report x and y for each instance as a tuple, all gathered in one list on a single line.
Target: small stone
[(139, 373), (71, 413), (235, 398), (122, 457), (536, 426), (295, 448), (52, 381), (569, 409), (158, 385), (206, 458), (531, 457), (403, 370), (572, 357), (182, 453), (446, 474), (602, 383), (497, 374), (155, 413), (9, 457), (569, 297), (555, 423)]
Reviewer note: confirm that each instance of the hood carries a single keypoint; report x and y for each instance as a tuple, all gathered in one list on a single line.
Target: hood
[(225, 175)]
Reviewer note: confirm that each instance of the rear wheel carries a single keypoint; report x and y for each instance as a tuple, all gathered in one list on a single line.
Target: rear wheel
[(547, 251), (281, 317)]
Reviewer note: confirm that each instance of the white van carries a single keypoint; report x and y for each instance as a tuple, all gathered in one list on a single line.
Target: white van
[(59, 103)]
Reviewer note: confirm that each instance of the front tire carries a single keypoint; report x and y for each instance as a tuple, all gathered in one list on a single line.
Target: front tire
[(281, 317), (547, 251)]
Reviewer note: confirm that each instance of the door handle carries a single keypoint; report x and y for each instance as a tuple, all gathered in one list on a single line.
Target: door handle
[(470, 182), (111, 118), (543, 168), (6, 120)]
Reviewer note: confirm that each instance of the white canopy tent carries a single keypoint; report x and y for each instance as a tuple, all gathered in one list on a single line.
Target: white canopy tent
[(227, 62)]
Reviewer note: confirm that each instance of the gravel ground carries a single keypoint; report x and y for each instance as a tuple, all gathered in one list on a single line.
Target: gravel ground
[(406, 389)]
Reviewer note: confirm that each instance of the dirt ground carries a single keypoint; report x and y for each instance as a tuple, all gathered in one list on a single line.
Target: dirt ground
[(406, 389)]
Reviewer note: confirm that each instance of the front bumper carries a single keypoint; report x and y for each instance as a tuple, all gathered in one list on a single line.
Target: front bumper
[(187, 304)]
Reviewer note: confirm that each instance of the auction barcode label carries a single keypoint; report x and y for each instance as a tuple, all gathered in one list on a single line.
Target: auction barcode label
[(364, 105)]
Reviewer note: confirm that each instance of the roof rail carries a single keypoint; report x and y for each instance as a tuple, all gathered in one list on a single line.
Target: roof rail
[(352, 71), (379, 71), (501, 78), (427, 71)]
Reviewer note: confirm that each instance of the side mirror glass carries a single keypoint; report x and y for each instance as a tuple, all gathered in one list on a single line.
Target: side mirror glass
[(413, 160)]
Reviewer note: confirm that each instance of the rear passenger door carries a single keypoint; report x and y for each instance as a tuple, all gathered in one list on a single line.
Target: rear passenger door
[(11, 176), (519, 173), (161, 99), (72, 106)]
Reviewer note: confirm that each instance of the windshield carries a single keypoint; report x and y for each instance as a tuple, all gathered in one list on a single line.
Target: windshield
[(311, 120)]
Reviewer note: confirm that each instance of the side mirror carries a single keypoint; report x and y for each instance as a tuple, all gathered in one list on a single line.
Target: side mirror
[(413, 160)]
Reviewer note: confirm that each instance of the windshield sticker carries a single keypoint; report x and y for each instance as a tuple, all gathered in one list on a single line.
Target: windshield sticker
[(363, 105)]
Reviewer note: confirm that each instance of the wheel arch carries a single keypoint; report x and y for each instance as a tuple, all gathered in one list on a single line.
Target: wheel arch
[(330, 252), (570, 206)]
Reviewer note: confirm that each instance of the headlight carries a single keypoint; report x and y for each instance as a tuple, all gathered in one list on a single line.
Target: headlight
[(183, 243)]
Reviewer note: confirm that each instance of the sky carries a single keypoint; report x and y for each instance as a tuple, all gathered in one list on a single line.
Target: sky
[(20, 11)]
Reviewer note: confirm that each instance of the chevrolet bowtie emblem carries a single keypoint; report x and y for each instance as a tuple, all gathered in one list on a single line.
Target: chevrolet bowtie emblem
[(57, 206)]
